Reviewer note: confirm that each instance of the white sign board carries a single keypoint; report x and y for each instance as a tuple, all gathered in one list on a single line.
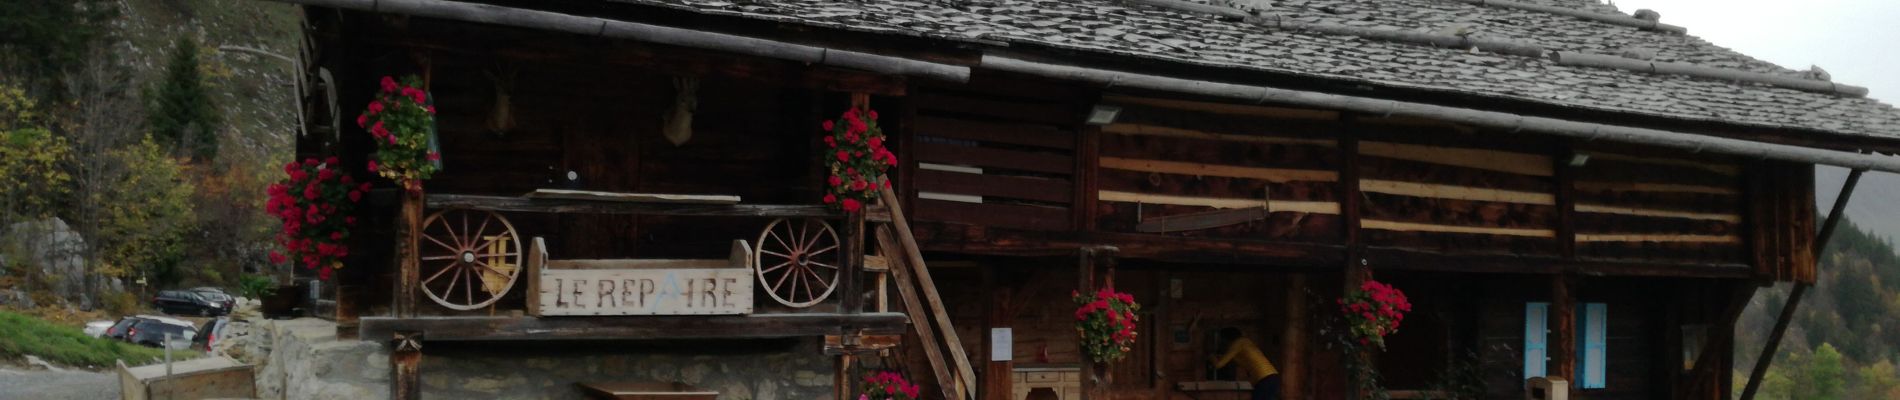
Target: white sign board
[(1002, 344), (645, 291)]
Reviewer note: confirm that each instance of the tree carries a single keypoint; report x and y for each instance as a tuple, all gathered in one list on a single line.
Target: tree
[(39, 39), (1822, 377), (145, 218), (32, 175), (182, 114), (1877, 381)]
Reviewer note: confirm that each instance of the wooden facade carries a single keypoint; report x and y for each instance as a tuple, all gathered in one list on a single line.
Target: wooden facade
[(1219, 214)]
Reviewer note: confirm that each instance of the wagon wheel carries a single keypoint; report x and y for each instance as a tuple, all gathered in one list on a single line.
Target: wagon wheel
[(797, 261), (464, 248)]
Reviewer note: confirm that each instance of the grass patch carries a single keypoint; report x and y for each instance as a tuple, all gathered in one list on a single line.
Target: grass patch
[(21, 335)]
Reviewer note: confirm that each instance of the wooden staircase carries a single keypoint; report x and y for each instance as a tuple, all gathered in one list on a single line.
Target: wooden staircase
[(928, 319)]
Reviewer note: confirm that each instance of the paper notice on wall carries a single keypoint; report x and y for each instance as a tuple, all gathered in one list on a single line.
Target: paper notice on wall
[(1001, 344)]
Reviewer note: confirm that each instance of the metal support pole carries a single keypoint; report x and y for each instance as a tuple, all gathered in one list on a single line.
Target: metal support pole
[(1800, 289)]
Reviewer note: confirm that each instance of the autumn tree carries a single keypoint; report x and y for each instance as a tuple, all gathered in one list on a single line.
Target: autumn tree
[(145, 220), (32, 175)]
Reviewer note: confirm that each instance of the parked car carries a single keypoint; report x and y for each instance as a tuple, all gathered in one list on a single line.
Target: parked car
[(151, 332), (119, 329), (217, 295), (186, 302), (209, 333)]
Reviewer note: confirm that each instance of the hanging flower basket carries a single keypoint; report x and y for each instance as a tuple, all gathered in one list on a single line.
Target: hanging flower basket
[(888, 385), (401, 120), (1373, 311), (314, 204), (1106, 322), (856, 158)]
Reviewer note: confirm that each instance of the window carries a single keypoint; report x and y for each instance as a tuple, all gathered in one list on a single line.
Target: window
[(1592, 343)]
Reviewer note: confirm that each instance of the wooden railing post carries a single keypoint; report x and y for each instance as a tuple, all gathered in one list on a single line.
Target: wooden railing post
[(408, 240)]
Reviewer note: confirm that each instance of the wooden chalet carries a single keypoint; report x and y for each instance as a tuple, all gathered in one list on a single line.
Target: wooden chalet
[(1564, 190)]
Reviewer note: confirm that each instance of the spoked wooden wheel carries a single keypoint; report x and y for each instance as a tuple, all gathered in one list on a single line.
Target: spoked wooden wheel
[(797, 261), (468, 258)]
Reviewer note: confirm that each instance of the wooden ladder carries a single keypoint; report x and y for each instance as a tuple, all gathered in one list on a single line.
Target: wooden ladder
[(927, 317)]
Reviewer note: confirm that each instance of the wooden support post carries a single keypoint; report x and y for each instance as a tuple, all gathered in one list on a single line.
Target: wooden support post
[(1562, 348), (1565, 175), (842, 384), (405, 381), (852, 301), (1293, 340), (996, 382), (1705, 379), (408, 241)]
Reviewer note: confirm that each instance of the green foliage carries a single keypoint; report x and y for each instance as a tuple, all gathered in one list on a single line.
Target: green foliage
[(40, 39), (182, 113), (1877, 381), (32, 174), (145, 218), (1462, 378), (1817, 376), (256, 286), (21, 335)]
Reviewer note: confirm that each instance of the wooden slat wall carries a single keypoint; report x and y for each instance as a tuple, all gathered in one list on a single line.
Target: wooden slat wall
[(1171, 158), (1658, 208), (1782, 205), (1438, 188), (1010, 156)]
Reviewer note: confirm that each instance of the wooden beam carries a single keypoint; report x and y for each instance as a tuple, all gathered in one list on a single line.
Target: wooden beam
[(1658, 238), (1293, 339), (1315, 207), (1720, 168), (1423, 227), (1654, 187), (947, 381), (1649, 212), (1706, 375), (996, 373), (928, 288), (1490, 160), (1173, 132), (1201, 220), (1275, 175), (1454, 192), (520, 204), (624, 328), (1226, 108), (849, 284)]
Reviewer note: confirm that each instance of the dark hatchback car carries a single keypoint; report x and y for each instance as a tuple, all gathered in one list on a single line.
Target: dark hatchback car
[(118, 330), (152, 332), (185, 302)]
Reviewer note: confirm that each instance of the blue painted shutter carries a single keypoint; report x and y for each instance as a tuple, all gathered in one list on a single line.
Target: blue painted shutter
[(1595, 345), (1536, 339)]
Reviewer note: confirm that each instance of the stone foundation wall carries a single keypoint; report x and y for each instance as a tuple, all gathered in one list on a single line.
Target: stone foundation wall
[(302, 359), (762, 370)]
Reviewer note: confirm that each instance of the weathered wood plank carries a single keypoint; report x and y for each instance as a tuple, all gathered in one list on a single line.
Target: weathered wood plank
[(1201, 220), (999, 215), (1646, 212), (1316, 207), (1419, 227), (623, 328), (995, 158), (1213, 186), (1455, 192), (1493, 160), (914, 309), (1173, 132), (1027, 188), (1276, 175), (1655, 187), (914, 259), (1051, 113), (1720, 168), (632, 197), (995, 132), (519, 204), (1615, 237)]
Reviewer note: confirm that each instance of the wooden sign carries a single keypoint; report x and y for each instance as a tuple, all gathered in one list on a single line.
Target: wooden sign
[(639, 286)]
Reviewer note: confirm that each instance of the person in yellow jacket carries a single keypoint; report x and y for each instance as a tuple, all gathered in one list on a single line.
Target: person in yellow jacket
[(1253, 364)]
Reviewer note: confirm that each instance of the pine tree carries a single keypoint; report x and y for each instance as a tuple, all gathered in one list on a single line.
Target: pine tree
[(183, 117)]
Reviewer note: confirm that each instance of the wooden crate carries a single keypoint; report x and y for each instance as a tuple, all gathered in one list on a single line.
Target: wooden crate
[(204, 378)]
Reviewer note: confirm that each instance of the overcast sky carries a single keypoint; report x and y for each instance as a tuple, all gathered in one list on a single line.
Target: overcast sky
[(1858, 41)]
